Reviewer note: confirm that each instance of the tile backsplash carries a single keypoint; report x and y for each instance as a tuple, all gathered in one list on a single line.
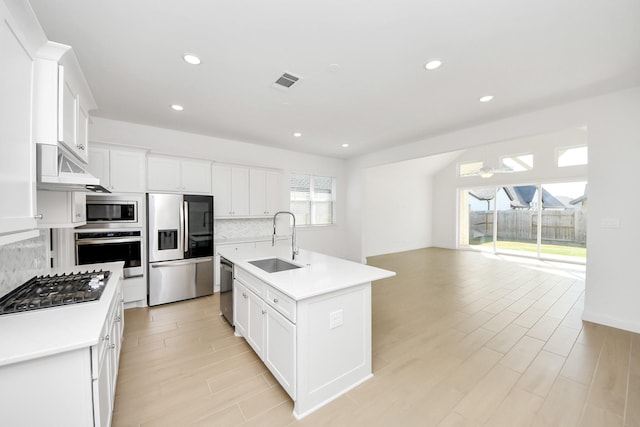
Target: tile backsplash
[(21, 261), (242, 228)]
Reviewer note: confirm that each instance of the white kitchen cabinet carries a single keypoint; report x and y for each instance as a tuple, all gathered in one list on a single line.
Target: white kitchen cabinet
[(178, 175), (265, 192), (280, 349), (62, 209), (231, 191), (62, 100), (17, 151), (240, 309), (258, 317), (119, 171)]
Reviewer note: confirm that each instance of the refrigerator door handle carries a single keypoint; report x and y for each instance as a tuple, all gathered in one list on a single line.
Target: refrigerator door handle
[(179, 263), (185, 208)]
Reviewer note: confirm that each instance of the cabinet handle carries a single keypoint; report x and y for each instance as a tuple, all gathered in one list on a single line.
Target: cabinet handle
[(244, 295), (80, 146), (264, 311), (118, 319), (39, 216), (275, 300), (105, 338), (113, 346), (78, 215)]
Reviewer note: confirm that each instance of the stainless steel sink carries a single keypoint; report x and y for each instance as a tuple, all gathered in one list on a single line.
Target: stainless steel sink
[(273, 265)]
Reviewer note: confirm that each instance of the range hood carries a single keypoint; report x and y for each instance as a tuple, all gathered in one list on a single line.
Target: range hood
[(57, 170)]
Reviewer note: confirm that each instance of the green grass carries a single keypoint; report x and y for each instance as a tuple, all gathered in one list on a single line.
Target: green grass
[(532, 247)]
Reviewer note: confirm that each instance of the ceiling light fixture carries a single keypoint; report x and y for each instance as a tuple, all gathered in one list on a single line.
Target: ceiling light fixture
[(297, 134), (433, 64), (177, 107), (191, 59), (345, 145), (486, 98)]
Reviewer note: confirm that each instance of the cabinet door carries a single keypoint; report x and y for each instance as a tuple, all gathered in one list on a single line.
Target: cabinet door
[(102, 403), (240, 191), (67, 111), (127, 171), (17, 155), (163, 173), (221, 183), (240, 308), (273, 193), (61, 209), (196, 176), (82, 136), (257, 197), (280, 350), (256, 327), (79, 207), (99, 165)]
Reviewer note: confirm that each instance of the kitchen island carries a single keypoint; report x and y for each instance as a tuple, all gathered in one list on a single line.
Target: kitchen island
[(311, 325)]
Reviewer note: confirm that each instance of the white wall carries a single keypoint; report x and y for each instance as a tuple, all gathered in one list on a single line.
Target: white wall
[(613, 123), (327, 240), (397, 214)]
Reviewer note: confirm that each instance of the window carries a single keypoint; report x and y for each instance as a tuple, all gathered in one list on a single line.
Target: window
[(312, 199), (469, 168), (518, 163), (572, 156)]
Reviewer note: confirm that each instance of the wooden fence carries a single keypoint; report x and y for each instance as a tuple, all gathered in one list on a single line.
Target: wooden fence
[(562, 226)]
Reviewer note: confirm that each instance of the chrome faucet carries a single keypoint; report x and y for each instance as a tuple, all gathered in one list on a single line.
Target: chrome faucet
[(294, 249)]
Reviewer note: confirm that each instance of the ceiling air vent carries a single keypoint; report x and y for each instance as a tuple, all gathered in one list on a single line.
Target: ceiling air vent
[(286, 80)]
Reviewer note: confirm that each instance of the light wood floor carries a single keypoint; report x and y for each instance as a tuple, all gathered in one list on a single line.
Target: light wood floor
[(459, 339)]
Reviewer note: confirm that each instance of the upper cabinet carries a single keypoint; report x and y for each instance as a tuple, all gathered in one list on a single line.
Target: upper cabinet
[(264, 188), (178, 175), (119, 170), (62, 100), (245, 192), (231, 191), (17, 151)]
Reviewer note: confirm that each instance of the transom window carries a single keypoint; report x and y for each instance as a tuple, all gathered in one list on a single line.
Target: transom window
[(519, 162), (572, 156), (312, 199), (469, 168)]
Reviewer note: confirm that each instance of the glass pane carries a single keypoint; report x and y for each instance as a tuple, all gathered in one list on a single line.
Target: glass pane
[(517, 214), (573, 156), (523, 162), (322, 213), (564, 220), (469, 168), (479, 204), (302, 211)]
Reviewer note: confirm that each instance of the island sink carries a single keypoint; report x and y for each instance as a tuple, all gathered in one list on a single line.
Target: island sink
[(273, 265)]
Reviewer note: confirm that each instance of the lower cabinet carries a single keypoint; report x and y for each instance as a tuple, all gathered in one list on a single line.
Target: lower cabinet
[(280, 349), (105, 360), (271, 335)]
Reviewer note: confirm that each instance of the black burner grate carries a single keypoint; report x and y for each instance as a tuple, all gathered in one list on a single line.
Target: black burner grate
[(54, 291)]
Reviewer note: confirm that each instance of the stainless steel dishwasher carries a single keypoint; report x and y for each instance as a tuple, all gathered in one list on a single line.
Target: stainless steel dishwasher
[(226, 289)]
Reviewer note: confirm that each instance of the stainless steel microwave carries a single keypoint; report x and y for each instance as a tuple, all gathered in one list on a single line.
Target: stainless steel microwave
[(109, 210)]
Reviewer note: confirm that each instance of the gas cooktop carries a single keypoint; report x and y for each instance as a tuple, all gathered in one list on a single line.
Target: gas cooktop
[(54, 291)]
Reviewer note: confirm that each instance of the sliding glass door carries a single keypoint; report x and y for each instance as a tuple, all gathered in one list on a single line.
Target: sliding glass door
[(544, 220)]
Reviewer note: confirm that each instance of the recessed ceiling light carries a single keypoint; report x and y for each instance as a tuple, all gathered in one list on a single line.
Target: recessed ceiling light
[(486, 98), (177, 107), (433, 64), (191, 59), (345, 145), (297, 134)]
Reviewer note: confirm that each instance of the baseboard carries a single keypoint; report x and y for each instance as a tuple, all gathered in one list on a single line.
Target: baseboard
[(600, 319)]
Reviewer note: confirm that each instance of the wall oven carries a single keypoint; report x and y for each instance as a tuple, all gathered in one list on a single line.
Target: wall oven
[(107, 246)]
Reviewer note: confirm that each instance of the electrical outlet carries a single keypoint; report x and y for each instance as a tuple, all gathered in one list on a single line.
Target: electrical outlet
[(335, 319)]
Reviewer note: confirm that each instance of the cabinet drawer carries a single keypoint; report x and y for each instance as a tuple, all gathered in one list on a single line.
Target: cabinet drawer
[(250, 281), (282, 303)]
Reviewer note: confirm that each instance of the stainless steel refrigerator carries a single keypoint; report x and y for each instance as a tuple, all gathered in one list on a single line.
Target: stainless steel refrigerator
[(180, 234)]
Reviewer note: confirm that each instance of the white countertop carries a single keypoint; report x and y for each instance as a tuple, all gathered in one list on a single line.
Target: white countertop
[(233, 240), (319, 274), (38, 333)]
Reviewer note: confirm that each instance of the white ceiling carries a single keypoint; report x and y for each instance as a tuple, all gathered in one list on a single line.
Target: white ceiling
[(528, 54)]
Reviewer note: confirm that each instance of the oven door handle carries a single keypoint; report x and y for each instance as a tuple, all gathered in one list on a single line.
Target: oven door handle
[(179, 263), (107, 240)]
